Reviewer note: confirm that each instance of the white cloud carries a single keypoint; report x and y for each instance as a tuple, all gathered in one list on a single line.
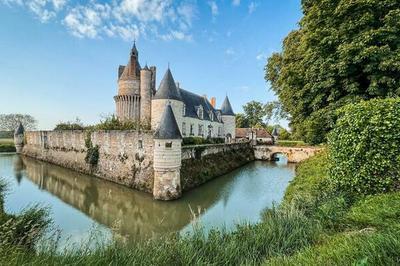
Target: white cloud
[(252, 7), (127, 19), (236, 2), (230, 51), (261, 56), (214, 8)]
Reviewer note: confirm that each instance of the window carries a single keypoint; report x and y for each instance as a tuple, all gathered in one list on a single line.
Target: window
[(200, 130), (184, 129), (168, 145), (140, 144), (219, 116), (219, 131), (191, 129), (200, 112), (211, 116), (184, 110)]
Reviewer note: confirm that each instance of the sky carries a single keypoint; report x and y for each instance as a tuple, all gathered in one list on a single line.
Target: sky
[(59, 58)]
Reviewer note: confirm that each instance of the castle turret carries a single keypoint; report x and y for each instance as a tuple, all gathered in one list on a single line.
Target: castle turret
[(166, 93), (145, 94), (228, 118), (19, 138), (275, 134), (167, 157), (128, 99)]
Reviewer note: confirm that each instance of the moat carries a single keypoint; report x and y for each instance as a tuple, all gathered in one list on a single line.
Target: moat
[(80, 203)]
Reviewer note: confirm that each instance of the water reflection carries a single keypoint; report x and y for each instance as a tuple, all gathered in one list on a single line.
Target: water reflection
[(77, 200)]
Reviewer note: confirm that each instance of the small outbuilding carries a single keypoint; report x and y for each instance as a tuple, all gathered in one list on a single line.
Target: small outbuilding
[(260, 135)]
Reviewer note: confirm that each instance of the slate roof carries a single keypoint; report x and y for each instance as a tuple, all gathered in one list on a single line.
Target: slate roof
[(193, 101), (168, 128), (19, 130), (226, 107), (168, 89), (275, 132), (132, 69)]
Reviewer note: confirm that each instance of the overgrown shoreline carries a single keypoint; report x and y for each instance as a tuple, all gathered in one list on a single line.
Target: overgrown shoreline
[(311, 226)]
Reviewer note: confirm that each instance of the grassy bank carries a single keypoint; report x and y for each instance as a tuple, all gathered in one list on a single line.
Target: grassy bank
[(315, 225), (7, 145)]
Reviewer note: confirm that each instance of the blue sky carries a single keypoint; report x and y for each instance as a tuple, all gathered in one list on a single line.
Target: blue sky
[(59, 58)]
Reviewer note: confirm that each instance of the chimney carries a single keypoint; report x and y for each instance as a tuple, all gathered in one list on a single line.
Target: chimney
[(213, 102)]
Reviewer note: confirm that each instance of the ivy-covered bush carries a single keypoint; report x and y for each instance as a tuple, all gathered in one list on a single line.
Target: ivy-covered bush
[(364, 147)]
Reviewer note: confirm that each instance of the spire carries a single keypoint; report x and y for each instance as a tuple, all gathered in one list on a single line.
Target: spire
[(134, 50), (132, 69), (19, 130), (168, 128), (275, 132), (168, 89), (226, 108)]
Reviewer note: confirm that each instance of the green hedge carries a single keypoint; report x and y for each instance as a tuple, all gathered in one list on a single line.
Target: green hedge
[(365, 147), (200, 141), (7, 148)]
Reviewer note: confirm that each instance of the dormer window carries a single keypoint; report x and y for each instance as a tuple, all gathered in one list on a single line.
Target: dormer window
[(200, 113), (211, 116), (184, 110), (219, 116)]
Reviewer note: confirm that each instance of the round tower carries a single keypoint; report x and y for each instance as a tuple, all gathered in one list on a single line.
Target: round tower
[(145, 94), (229, 120), (167, 93), (128, 99), (167, 157), (19, 138)]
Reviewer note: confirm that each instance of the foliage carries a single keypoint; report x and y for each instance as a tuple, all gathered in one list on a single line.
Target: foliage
[(10, 122), (254, 113), (201, 141), (92, 153), (380, 211), (7, 147), (6, 134), (365, 147), (76, 125), (344, 51), (113, 123), (283, 232), (358, 248), (241, 121)]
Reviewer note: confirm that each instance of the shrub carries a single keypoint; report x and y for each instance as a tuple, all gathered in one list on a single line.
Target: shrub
[(113, 123), (76, 125), (7, 147), (365, 147), (202, 141)]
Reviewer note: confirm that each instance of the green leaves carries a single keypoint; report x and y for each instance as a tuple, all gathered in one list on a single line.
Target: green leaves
[(365, 147), (347, 48)]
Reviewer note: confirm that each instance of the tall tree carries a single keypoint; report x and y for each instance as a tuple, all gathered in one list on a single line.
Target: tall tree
[(9, 122), (241, 121), (254, 113), (344, 51)]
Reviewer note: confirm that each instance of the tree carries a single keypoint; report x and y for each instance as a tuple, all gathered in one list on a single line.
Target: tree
[(9, 122), (241, 121), (254, 113), (345, 51)]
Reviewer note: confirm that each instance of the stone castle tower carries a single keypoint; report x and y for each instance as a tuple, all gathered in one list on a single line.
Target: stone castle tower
[(167, 157), (136, 87)]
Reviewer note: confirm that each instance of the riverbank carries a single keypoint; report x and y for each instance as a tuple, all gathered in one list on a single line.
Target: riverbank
[(314, 225), (7, 145)]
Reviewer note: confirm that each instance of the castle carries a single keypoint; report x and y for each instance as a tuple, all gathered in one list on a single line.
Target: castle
[(195, 115)]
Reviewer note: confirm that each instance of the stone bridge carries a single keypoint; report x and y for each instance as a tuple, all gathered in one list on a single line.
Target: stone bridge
[(293, 154)]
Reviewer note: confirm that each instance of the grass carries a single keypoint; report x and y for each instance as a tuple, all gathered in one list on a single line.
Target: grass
[(7, 145), (315, 225)]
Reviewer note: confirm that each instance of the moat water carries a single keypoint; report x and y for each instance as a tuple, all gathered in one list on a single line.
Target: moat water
[(80, 204)]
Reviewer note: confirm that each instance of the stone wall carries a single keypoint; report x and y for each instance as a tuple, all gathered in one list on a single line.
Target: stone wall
[(203, 163), (125, 157)]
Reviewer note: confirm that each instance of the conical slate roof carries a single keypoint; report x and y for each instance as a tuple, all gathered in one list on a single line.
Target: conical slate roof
[(168, 89), (226, 108), (19, 130), (168, 128), (275, 132)]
